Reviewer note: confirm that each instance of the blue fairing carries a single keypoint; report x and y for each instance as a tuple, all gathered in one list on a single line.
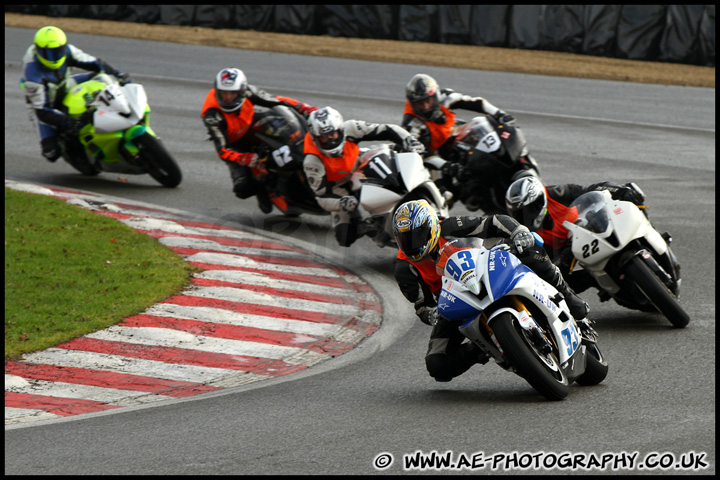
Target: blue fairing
[(504, 271), (453, 308)]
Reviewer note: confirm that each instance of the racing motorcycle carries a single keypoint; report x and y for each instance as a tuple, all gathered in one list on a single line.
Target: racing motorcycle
[(519, 320), (116, 136), (386, 179), (629, 260), (486, 157), (277, 137)]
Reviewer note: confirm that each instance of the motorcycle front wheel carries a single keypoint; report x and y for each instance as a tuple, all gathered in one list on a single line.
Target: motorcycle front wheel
[(596, 367), (542, 371), (160, 165), (656, 292)]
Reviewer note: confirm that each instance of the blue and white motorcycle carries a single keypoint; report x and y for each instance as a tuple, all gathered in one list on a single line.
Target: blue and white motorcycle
[(518, 319)]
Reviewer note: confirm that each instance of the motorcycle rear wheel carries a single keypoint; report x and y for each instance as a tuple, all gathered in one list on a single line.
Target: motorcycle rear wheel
[(656, 292), (160, 165), (541, 371)]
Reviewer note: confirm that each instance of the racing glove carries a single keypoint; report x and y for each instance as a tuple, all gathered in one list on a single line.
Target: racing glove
[(503, 117), (244, 159), (522, 238), (631, 193), (348, 203), (450, 170), (306, 109), (428, 315), (412, 144)]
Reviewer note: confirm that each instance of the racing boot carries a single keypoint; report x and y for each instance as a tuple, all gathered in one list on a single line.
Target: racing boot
[(473, 353), (579, 309), (50, 149), (264, 202)]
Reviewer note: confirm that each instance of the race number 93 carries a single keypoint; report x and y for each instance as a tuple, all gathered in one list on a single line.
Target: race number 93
[(456, 270)]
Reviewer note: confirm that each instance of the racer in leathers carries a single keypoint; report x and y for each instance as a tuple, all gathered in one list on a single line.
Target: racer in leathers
[(420, 235), (543, 209), (332, 156), (47, 77), (228, 113), (428, 118)]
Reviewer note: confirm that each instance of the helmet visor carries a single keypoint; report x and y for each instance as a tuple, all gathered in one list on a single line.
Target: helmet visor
[(530, 215), (331, 140), (413, 242), (53, 54)]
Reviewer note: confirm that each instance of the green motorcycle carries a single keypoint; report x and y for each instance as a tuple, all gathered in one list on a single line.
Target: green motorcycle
[(117, 137)]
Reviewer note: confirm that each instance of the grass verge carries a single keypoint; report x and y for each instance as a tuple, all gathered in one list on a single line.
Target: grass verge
[(69, 272)]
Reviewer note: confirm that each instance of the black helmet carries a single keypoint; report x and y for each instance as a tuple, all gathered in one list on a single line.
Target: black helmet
[(419, 89)]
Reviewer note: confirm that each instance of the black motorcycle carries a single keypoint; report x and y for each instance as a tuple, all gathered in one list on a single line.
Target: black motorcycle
[(485, 157), (278, 136)]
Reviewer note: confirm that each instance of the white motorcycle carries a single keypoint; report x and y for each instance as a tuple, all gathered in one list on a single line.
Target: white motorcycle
[(629, 260), (517, 318), (386, 179)]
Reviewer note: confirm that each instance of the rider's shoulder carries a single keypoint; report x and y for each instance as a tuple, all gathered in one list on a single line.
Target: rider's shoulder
[(213, 116)]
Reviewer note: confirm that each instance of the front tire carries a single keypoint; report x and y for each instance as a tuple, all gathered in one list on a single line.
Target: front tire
[(160, 165), (596, 367), (656, 292), (541, 371)]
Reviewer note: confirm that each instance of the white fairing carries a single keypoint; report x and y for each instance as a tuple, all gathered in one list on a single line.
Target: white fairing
[(119, 107), (377, 200), (412, 169), (625, 223)]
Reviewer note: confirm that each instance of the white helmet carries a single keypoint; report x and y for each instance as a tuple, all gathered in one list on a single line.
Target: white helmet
[(526, 202), (230, 80), (323, 124)]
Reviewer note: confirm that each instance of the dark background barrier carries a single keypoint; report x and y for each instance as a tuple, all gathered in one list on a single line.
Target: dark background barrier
[(666, 33)]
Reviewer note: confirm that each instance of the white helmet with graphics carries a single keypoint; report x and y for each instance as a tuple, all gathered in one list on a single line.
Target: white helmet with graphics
[(230, 89), (327, 130)]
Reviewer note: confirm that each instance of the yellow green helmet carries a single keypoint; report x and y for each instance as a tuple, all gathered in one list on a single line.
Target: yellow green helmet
[(51, 47)]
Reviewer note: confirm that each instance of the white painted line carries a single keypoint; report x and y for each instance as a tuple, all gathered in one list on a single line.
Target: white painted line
[(226, 317), (261, 280), (135, 366), (240, 261), (173, 338), (81, 392), (246, 296)]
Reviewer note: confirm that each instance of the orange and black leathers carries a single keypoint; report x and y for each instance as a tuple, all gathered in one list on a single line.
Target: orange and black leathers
[(437, 133), (229, 130), (336, 168)]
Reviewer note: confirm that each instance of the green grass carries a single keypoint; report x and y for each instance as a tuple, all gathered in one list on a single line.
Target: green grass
[(69, 272)]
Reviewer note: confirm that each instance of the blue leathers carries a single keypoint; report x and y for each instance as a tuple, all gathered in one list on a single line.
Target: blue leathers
[(41, 86)]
